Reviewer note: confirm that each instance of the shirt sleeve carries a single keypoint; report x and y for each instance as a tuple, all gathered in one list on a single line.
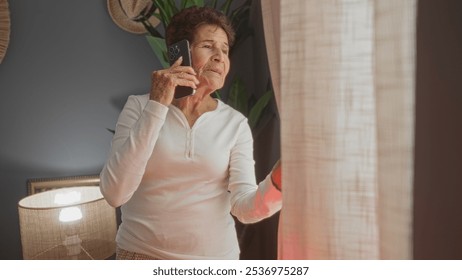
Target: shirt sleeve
[(137, 131), (250, 203)]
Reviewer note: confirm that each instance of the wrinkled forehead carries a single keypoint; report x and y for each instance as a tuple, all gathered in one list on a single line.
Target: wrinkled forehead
[(210, 32)]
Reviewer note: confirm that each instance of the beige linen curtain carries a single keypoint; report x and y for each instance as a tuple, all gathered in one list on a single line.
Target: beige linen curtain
[(343, 74)]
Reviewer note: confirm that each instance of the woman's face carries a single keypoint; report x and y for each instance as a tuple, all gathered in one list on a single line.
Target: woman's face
[(209, 53)]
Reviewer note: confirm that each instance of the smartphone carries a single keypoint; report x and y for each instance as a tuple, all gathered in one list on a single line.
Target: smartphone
[(174, 51)]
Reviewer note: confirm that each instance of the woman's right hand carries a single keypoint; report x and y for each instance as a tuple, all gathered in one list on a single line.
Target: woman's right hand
[(164, 82)]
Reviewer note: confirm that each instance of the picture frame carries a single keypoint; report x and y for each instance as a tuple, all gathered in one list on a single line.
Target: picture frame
[(37, 185)]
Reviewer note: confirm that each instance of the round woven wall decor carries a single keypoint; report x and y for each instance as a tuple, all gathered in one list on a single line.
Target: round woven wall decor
[(4, 28)]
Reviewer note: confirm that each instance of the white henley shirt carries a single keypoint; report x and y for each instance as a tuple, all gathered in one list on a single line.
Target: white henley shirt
[(178, 185)]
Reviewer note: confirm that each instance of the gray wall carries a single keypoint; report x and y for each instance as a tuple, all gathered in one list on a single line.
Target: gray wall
[(65, 77)]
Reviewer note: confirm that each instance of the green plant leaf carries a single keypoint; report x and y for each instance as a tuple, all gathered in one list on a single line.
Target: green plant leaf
[(240, 20), (159, 48), (214, 4), (189, 3), (257, 109), (164, 11), (171, 8), (217, 94), (225, 7), (151, 30), (238, 97)]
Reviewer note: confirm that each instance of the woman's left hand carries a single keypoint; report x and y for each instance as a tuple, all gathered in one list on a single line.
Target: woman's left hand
[(276, 175)]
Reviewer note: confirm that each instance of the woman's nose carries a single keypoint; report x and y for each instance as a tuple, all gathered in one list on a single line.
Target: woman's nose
[(218, 56)]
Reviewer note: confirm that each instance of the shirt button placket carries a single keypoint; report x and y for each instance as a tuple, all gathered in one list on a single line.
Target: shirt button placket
[(189, 144)]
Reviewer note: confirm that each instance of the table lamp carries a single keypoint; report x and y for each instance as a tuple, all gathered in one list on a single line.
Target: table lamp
[(67, 223)]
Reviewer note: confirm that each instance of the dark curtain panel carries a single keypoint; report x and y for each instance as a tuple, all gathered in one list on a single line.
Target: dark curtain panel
[(259, 241), (438, 144)]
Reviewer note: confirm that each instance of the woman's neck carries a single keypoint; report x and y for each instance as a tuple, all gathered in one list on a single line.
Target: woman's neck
[(198, 102), (195, 105)]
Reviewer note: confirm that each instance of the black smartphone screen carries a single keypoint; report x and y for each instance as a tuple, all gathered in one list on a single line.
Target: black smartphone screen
[(174, 51)]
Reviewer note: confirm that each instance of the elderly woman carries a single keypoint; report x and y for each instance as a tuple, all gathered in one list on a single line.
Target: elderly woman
[(180, 167)]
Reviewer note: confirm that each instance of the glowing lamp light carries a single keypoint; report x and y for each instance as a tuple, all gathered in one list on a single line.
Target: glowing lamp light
[(70, 214)]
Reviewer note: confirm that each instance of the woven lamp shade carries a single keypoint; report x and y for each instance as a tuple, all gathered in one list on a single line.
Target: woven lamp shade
[(67, 223)]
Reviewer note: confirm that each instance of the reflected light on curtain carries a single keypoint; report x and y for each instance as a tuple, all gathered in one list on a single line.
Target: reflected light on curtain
[(343, 73)]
